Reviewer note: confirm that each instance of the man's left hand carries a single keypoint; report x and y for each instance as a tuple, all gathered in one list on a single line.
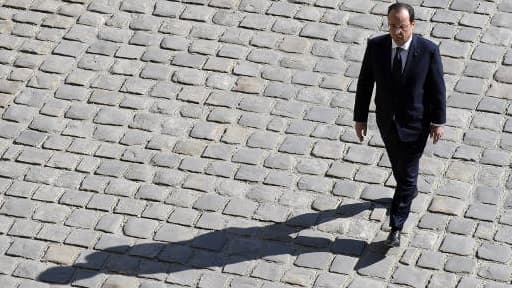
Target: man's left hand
[(436, 132)]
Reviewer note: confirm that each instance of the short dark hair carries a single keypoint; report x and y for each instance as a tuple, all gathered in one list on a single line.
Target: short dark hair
[(398, 6)]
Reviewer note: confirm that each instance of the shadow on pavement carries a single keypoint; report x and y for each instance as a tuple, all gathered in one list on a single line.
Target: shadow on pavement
[(223, 247)]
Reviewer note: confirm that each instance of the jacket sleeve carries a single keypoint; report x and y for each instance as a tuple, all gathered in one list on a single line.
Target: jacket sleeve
[(365, 84), (436, 88)]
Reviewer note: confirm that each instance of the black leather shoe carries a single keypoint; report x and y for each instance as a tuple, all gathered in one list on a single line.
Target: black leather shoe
[(393, 239)]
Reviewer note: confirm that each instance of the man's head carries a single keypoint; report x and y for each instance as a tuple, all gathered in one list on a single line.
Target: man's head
[(400, 22)]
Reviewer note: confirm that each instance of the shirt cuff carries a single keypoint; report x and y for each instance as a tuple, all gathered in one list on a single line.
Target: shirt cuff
[(436, 124)]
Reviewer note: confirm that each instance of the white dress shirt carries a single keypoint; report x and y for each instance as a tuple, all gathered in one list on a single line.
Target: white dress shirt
[(403, 52)]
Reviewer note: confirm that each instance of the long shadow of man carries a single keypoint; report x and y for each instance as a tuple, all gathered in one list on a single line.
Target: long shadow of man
[(219, 248)]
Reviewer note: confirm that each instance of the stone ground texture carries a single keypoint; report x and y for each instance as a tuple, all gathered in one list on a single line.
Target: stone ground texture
[(209, 143)]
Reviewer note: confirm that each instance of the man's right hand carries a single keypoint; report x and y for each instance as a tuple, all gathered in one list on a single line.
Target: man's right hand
[(360, 130)]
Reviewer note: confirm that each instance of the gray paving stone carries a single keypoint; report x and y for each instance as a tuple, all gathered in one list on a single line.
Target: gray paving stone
[(18, 207), (497, 36), (330, 280), (53, 232), (198, 46), (482, 212), (494, 252), (197, 14), (27, 248), (166, 9), (199, 182), (409, 257), (102, 202), (343, 264), (82, 218), (454, 188), (312, 166), (431, 260), (287, 26), (481, 138), (212, 221), (110, 223), (466, 152), (300, 127), (489, 104), (241, 207), (21, 189), (193, 164), (442, 280), (276, 124), (295, 145), (6, 223), (433, 221), (328, 149), (469, 281), (315, 184), (232, 51), (267, 271), (212, 280), (8, 264), (365, 282), (220, 81), (257, 22), (424, 239), (448, 206), (130, 206), (371, 175), (371, 267), (140, 228), (364, 21), (459, 245), (375, 192), (485, 175), (28, 269), (189, 76), (461, 226), (221, 169), (306, 78), (62, 254), (251, 173), (279, 90), (318, 31), (442, 30), (487, 121), (116, 280), (411, 277), (327, 131), (298, 276), (24, 228), (279, 161), (494, 271), (263, 140), (254, 6)]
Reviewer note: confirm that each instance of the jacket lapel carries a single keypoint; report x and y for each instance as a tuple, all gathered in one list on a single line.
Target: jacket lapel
[(386, 57), (413, 51)]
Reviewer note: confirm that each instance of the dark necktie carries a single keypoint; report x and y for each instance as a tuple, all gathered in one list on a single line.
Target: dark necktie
[(397, 66)]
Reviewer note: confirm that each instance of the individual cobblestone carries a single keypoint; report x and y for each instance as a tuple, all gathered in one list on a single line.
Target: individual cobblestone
[(27, 248)]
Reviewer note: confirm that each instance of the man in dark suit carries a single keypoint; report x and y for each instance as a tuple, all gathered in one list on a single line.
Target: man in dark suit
[(410, 103)]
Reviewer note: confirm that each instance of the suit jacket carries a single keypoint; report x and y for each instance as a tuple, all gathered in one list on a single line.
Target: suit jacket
[(413, 104)]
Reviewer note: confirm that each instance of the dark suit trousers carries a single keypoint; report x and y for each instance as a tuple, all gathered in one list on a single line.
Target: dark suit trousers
[(405, 160)]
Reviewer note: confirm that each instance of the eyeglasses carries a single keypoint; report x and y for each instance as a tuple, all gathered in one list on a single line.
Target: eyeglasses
[(402, 27)]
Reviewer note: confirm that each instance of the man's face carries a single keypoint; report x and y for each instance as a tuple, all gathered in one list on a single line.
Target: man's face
[(399, 25)]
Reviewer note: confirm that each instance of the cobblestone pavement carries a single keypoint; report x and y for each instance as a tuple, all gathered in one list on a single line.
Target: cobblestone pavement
[(209, 143)]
